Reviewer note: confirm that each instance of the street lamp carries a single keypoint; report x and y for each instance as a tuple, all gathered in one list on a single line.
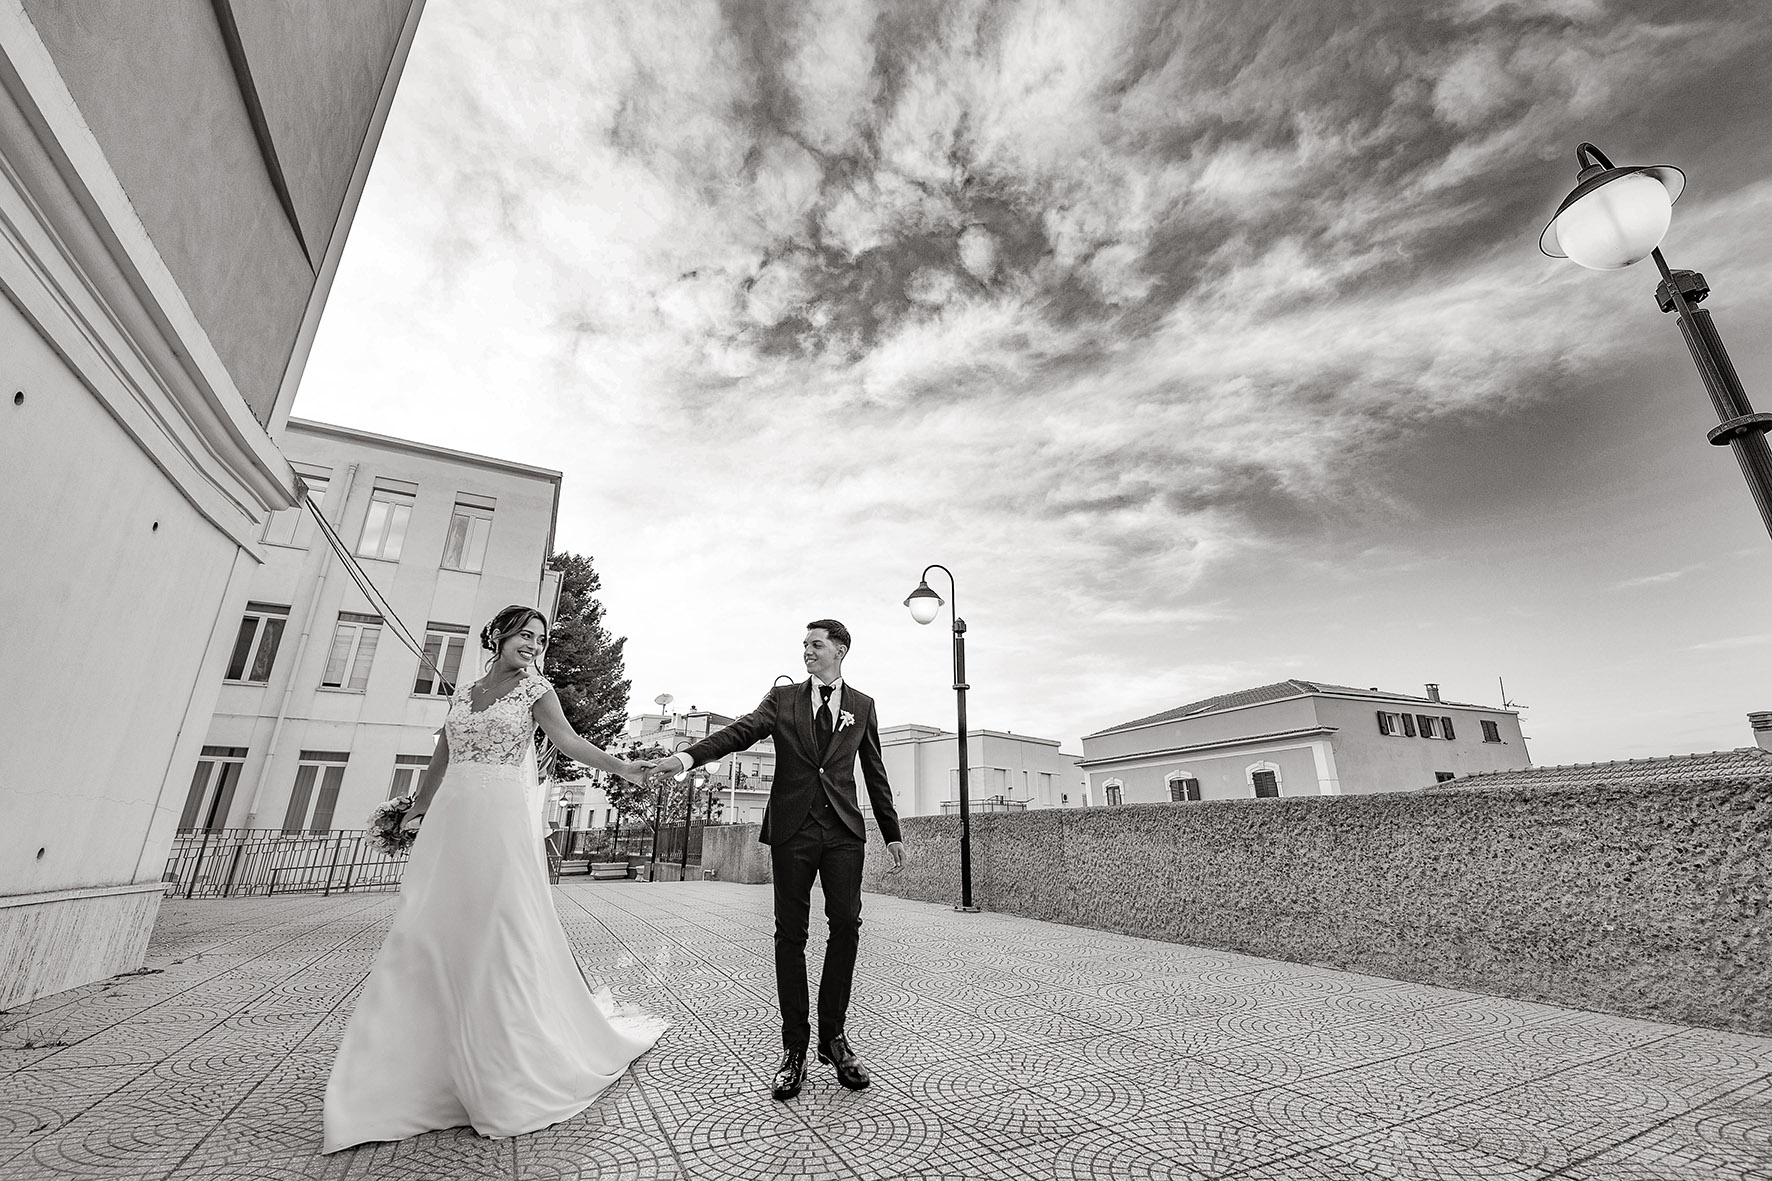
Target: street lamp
[(1618, 216), (924, 605), (697, 778)]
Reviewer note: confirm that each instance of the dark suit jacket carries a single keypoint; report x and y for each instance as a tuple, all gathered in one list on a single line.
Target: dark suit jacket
[(801, 769)]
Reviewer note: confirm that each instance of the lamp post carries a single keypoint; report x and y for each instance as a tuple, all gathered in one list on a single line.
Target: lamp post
[(925, 604), (660, 786), (697, 778), (1617, 216)]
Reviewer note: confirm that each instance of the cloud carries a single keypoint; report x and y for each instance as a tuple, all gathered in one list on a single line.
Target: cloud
[(1105, 299)]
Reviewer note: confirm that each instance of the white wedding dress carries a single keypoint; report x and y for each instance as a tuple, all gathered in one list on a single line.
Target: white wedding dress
[(476, 1012)]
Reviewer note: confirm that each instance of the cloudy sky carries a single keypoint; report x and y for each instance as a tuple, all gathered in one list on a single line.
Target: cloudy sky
[(1208, 344)]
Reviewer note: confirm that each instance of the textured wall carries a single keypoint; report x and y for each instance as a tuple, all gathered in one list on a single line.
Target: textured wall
[(733, 852), (1647, 901), (58, 942)]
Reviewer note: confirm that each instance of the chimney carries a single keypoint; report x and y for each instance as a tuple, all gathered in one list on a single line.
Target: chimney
[(1762, 724), (1433, 692)]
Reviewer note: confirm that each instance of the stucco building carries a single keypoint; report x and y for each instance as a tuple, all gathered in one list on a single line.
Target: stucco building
[(1299, 738), (176, 184), (1003, 771), (322, 712), (741, 781)]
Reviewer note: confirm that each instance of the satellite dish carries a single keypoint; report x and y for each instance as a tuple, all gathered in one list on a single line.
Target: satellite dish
[(663, 700)]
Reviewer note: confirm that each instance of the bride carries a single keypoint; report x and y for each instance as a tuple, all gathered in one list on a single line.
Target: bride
[(476, 1012)]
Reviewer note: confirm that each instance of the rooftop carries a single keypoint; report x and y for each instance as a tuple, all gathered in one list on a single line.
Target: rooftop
[(1743, 762), (1279, 691)]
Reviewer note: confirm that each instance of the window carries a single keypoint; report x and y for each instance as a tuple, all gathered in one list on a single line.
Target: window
[(1043, 786), (295, 526), (1113, 788), (1446, 731), (1429, 726), (255, 646), (327, 768), (353, 649), (212, 788), (1443, 776), (1183, 789), (980, 782), (406, 772), (1264, 779), (1395, 725), (1491, 732), (444, 643), (465, 547), (384, 528)]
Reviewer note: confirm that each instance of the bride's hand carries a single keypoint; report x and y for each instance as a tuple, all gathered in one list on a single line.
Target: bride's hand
[(635, 772), (411, 823)]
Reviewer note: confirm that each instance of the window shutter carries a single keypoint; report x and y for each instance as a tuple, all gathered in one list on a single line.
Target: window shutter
[(1408, 725), (1384, 726), (1424, 725), (1446, 728)]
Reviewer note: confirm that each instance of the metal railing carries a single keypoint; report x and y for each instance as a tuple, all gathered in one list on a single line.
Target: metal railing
[(993, 804), (226, 862), (223, 862)]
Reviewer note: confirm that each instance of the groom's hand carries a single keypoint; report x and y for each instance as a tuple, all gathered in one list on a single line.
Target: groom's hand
[(896, 851)]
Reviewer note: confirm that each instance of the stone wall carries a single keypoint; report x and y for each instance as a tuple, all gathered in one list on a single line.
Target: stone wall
[(1649, 901)]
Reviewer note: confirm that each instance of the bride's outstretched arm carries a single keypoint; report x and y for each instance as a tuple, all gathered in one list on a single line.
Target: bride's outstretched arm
[(553, 723), (430, 779)]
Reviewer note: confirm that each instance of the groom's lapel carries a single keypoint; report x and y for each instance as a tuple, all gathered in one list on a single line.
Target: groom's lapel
[(803, 719), (854, 703)]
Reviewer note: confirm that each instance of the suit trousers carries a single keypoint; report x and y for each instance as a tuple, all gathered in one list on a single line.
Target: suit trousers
[(825, 849)]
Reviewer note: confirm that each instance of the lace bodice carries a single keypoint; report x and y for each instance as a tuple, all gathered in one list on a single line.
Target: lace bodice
[(501, 732)]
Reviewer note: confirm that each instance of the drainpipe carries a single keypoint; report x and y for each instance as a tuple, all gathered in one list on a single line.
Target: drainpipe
[(301, 647)]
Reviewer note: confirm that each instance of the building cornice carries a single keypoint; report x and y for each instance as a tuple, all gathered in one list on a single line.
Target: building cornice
[(1379, 699), (327, 271), (905, 732), (427, 450), (1208, 747), (82, 269)]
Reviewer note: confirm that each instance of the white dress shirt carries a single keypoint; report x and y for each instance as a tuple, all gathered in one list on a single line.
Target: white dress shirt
[(836, 712)]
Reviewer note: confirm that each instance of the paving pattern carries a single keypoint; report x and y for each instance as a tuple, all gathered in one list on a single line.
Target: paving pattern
[(1001, 1048)]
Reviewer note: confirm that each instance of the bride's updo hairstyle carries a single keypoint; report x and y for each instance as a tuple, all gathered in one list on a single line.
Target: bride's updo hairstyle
[(508, 623)]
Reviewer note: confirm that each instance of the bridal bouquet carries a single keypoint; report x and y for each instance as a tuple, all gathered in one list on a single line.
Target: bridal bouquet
[(384, 826)]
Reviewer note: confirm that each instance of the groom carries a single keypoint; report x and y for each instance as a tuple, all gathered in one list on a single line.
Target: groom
[(813, 827)]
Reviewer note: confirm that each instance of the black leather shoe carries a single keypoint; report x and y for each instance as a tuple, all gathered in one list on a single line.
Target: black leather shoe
[(790, 1074), (850, 1072)]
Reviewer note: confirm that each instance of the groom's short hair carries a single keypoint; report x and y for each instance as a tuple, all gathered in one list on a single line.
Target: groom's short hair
[(832, 629)]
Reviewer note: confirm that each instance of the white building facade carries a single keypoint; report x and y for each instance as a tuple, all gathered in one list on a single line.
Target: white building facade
[(322, 713), (1299, 738), (176, 187), (1004, 771), (741, 781)]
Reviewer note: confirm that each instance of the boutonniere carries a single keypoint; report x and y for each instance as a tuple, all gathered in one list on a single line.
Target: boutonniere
[(844, 719)]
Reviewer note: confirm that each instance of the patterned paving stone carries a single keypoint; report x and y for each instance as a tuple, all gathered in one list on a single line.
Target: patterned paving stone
[(1000, 1048)]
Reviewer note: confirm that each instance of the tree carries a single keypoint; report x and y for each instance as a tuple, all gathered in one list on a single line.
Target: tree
[(639, 801), (584, 661)]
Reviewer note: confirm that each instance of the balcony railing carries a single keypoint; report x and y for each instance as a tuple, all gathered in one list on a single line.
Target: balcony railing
[(991, 804)]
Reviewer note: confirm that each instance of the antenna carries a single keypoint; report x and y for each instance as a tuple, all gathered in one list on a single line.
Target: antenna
[(1505, 702)]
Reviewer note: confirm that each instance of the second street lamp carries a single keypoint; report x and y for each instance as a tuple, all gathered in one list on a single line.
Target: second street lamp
[(1617, 216), (925, 605)]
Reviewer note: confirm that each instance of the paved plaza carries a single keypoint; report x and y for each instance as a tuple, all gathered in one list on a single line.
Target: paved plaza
[(1001, 1048)]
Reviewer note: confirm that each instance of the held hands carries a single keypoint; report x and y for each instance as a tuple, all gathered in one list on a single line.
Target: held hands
[(412, 821), (896, 851)]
